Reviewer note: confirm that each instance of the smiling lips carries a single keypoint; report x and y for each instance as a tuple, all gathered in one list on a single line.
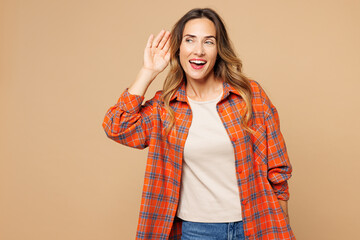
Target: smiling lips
[(197, 63)]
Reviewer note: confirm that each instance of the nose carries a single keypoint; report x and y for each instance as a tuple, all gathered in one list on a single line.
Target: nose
[(199, 49)]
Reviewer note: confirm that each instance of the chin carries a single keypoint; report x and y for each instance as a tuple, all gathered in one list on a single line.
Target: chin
[(197, 77), (201, 76)]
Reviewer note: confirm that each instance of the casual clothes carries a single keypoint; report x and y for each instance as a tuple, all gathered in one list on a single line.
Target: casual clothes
[(212, 231), (261, 160), (209, 191)]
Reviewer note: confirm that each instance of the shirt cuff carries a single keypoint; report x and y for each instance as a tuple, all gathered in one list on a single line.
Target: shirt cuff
[(130, 103), (282, 191)]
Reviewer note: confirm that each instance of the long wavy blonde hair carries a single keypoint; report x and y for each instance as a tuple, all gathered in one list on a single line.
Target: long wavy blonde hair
[(227, 67)]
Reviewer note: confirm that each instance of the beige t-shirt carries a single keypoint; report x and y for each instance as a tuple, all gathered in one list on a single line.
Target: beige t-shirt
[(209, 191)]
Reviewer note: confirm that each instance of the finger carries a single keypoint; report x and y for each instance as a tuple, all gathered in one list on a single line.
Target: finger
[(164, 40), (167, 45), (150, 40), (157, 39)]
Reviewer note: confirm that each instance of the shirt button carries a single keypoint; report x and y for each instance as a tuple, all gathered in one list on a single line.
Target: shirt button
[(240, 170), (233, 139), (244, 202)]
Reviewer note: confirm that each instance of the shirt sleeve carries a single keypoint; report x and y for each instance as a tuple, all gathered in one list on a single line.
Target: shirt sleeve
[(279, 167), (128, 122)]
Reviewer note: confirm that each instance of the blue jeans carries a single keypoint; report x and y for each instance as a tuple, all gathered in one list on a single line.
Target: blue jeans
[(212, 231)]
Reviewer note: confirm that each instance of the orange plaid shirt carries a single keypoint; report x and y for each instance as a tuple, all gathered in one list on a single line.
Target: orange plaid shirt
[(261, 160)]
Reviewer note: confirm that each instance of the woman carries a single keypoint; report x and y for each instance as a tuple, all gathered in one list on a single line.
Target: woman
[(217, 165)]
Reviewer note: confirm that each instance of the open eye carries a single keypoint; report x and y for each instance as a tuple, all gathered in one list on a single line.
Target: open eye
[(188, 40), (209, 42)]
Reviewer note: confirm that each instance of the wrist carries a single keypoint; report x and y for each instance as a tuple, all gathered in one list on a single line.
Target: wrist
[(148, 73)]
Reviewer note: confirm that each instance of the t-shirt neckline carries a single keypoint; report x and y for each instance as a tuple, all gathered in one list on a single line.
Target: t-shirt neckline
[(205, 102)]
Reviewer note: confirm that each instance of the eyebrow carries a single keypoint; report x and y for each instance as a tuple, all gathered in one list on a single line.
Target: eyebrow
[(190, 35)]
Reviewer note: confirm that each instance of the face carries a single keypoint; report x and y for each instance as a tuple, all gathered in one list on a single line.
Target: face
[(198, 49)]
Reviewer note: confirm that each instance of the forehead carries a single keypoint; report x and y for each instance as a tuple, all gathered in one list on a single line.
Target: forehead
[(200, 27)]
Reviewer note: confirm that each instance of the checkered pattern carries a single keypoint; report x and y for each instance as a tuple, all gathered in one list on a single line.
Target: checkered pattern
[(262, 163)]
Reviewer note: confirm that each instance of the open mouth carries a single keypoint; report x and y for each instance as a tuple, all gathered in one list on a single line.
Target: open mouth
[(197, 64)]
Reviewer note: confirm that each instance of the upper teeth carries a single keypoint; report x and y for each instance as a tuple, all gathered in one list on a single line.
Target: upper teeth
[(197, 61)]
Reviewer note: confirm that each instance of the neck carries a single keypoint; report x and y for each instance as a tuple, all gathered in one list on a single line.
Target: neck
[(204, 89)]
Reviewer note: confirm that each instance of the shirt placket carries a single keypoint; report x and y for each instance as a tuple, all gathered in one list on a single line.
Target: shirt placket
[(184, 126), (240, 174)]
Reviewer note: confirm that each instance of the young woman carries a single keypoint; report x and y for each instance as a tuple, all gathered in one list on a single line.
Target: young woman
[(217, 165)]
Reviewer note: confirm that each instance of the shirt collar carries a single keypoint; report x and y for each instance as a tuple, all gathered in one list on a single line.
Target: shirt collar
[(180, 94)]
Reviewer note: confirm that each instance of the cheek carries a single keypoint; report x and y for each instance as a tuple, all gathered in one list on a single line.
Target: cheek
[(183, 54), (182, 58), (214, 55), (184, 50)]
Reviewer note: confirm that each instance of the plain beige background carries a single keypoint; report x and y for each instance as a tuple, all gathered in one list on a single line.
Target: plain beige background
[(64, 63)]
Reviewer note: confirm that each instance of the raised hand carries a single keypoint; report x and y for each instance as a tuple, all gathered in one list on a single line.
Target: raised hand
[(156, 58), (157, 54)]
